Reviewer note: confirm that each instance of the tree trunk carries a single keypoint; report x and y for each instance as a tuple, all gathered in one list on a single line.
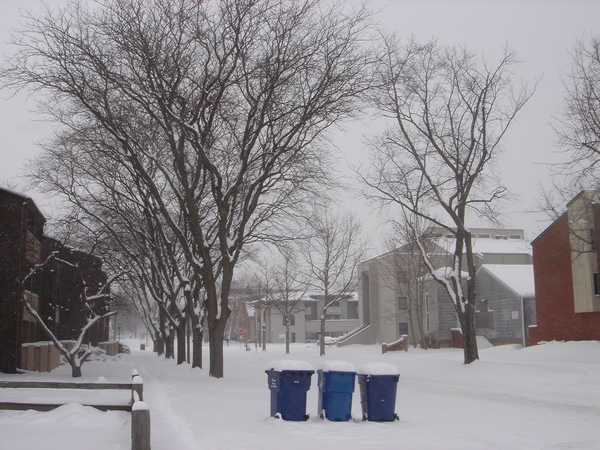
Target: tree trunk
[(287, 337), (181, 338), (322, 340), (421, 324), (159, 343), (170, 346), (471, 352), (411, 326), (197, 337), (216, 329), (75, 370)]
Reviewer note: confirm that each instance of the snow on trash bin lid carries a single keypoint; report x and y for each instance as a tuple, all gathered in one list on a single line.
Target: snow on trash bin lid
[(378, 369), (337, 366), (289, 364)]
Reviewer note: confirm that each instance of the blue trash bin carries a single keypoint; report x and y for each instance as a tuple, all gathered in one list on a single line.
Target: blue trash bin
[(288, 388), (336, 385), (378, 387)]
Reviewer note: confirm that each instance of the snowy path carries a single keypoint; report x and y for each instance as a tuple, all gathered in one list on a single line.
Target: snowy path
[(507, 400), (547, 397)]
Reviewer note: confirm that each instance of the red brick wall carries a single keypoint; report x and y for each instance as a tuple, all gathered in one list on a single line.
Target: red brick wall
[(11, 265), (556, 319)]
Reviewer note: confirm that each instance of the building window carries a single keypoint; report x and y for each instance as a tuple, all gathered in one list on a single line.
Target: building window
[(352, 310), (33, 284), (596, 285), (402, 328), (484, 235), (484, 316), (292, 320), (402, 303), (515, 236), (402, 276), (312, 312), (34, 225)]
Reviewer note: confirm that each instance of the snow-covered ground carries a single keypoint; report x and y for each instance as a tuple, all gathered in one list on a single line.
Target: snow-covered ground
[(543, 397)]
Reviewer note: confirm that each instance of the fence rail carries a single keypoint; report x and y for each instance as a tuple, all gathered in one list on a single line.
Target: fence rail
[(140, 414)]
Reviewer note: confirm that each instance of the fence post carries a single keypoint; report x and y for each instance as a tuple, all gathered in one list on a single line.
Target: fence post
[(140, 426), (137, 387)]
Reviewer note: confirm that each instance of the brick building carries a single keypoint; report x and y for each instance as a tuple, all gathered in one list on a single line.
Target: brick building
[(61, 289), (55, 292), (21, 231), (566, 261)]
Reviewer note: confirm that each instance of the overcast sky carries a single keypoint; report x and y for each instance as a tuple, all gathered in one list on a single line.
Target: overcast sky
[(542, 32)]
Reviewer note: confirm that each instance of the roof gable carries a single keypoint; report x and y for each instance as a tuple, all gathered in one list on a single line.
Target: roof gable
[(517, 277)]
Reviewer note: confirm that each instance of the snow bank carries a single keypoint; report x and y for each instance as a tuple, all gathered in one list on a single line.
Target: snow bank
[(378, 369), (337, 365), (289, 364)]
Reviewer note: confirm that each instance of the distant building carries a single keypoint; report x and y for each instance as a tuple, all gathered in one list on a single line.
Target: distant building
[(388, 282), (505, 303), (567, 285), (253, 312)]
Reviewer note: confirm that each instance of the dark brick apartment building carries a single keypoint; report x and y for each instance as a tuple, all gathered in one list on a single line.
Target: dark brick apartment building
[(55, 292), (21, 231)]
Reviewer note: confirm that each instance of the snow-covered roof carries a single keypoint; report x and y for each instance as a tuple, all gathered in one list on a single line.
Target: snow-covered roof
[(480, 246), (313, 296), (518, 277), (444, 272)]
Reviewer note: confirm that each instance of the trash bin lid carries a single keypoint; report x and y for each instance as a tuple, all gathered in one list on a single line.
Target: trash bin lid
[(290, 365), (378, 369), (337, 366)]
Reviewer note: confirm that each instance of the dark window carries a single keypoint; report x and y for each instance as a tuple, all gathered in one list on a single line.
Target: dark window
[(402, 328), (402, 276), (34, 225), (292, 320), (352, 310), (484, 317), (402, 303), (312, 312), (596, 285), (33, 284)]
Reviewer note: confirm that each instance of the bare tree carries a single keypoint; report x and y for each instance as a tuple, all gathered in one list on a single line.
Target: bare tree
[(448, 115), (578, 128), (288, 293), (332, 251), (77, 354), (219, 109), (578, 131), (407, 275)]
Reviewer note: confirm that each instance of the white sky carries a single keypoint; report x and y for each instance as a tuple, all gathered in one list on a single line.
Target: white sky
[(542, 32)]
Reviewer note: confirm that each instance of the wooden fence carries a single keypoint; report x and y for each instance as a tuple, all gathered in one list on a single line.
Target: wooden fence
[(400, 344), (140, 414)]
